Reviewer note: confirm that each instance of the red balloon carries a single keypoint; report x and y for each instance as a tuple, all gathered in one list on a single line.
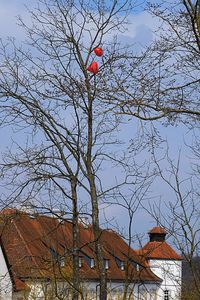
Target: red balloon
[(93, 67), (98, 51)]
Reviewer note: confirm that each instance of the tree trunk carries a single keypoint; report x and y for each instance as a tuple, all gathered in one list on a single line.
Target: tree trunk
[(97, 237), (75, 253), (94, 201)]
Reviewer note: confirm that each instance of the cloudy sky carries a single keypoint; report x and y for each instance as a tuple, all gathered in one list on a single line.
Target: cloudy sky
[(140, 29)]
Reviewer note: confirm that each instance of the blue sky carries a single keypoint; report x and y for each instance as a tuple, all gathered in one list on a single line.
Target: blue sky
[(140, 31), (9, 10)]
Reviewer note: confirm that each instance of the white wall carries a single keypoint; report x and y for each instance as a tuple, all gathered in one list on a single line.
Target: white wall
[(116, 289), (170, 271), (91, 291), (5, 280)]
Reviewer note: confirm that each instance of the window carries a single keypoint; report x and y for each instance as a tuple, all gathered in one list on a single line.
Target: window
[(119, 263), (85, 293), (106, 264), (92, 294), (54, 254), (143, 294), (63, 292), (62, 262), (115, 294), (135, 264), (153, 294), (58, 258), (92, 263), (80, 262), (131, 293), (119, 294), (122, 265), (166, 295), (88, 260)]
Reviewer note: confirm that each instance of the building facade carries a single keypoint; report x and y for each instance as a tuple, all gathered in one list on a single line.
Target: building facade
[(35, 262)]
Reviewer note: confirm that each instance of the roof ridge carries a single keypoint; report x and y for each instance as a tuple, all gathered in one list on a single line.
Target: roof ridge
[(25, 244)]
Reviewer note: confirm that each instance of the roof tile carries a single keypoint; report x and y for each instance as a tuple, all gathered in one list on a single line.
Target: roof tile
[(29, 242), (159, 250)]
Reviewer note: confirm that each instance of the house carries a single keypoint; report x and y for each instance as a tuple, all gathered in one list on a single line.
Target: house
[(164, 262), (35, 261)]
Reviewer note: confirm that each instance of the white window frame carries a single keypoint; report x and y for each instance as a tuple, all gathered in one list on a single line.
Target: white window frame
[(80, 262), (62, 262), (122, 265), (106, 264), (92, 263)]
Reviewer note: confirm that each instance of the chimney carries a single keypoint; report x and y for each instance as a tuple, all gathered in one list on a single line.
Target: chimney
[(157, 234)]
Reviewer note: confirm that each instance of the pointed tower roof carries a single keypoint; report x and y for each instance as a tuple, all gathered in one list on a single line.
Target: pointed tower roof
[(157, 247)]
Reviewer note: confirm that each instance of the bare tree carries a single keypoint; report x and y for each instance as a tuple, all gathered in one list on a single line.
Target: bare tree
[(180, 216), (48, 91), (163, 82), (73, 116)]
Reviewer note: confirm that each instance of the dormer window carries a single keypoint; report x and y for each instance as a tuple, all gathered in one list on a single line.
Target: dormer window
[(80, 262), (58, 258), (135, 264), (92, 263), (106, 264), (62, 262), (122, 265), (54, 254)]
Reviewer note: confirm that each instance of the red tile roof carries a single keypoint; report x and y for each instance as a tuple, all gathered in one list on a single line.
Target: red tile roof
[(19, 285), (30, 244), (159, 250), (9, 211), (158, 230)]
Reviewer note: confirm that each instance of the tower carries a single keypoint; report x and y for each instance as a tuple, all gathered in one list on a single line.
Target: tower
[(165, 263)]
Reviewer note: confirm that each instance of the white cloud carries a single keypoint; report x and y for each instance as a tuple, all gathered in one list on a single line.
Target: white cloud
[(140, 30), (141, 19)]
